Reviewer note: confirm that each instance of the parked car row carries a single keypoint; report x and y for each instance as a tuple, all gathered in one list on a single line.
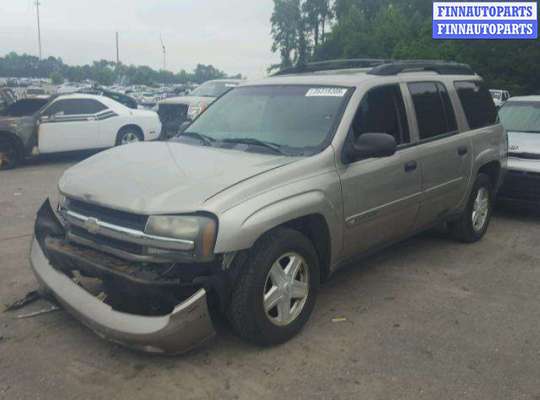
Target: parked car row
[(269, 191)]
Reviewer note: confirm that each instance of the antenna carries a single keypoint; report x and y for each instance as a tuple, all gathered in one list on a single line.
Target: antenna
[(117, 50), (164, 53), (38, 27)]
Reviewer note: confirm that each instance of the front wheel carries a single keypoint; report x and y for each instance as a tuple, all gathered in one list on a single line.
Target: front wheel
[(474, 222), (276, 290)]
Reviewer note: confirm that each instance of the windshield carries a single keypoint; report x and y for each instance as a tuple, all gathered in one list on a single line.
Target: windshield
[(213, 89), (296, 120), (521, 116)]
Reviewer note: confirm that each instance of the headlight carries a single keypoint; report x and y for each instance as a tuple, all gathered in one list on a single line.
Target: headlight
[(198, 228)]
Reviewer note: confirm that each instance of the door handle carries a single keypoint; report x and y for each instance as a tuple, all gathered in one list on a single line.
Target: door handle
[(462, 150), (411, 166)]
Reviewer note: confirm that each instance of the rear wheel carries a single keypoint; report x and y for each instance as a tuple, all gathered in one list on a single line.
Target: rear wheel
[(129, 135), (276, 290), (474, 222), (9, 155)]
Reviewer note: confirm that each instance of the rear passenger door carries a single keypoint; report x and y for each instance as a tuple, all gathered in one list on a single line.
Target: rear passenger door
[(443, 153), (381, 196)]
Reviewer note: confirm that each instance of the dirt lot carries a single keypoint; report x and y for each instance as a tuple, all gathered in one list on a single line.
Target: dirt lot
[(428, 319)]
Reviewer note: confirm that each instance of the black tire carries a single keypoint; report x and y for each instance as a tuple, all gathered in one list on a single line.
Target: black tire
[(463, 229), (9, 154), (246, 310), (126, 132)]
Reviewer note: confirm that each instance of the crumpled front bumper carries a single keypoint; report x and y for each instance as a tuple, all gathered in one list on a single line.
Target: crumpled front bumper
[(188, 326)]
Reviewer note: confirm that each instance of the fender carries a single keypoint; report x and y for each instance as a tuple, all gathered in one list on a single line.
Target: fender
[(241, 226)]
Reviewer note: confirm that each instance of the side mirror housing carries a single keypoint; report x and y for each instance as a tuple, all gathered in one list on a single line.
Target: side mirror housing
[(371, 145)]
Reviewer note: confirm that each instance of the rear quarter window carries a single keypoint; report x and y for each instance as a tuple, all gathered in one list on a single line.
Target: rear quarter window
[(477, 103)]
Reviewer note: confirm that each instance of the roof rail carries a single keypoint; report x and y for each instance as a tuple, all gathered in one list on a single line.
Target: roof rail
[(440, 67), (331, 65)]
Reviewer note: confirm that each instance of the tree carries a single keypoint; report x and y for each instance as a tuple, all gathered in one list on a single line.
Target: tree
[(56, 78)]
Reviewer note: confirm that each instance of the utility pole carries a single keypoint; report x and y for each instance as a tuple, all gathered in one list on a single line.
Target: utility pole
[(38, 27), (117, 51), (164, 53)]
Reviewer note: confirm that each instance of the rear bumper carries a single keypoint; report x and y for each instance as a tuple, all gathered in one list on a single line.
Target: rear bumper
[(187, 326)]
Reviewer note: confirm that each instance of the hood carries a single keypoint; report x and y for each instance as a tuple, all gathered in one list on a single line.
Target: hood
[(164, 177), (524, 142), (188, 100)]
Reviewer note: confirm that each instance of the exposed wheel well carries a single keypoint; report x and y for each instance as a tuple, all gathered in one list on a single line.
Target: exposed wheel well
[(493, 170), (12, 138), (136, 128), (315, 228)]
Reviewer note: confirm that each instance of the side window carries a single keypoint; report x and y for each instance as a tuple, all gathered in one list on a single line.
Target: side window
[(477, 103), (434, 111), (75, 107), (382, 110), (89, 106)]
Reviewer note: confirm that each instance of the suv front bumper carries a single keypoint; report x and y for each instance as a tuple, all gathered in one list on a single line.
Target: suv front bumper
[(187, 326)]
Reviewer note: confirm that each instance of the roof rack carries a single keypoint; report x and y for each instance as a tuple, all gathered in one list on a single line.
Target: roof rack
[(440, 67), (331, 65), (382, 67)]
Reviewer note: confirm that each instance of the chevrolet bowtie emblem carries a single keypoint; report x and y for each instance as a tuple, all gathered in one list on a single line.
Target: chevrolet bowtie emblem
[(92, 225)]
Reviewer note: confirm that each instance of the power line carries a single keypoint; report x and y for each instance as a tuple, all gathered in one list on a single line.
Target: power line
[(38, 27), (117, 50)]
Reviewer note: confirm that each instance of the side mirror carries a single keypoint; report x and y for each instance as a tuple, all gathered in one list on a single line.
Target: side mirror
[(371, 145)]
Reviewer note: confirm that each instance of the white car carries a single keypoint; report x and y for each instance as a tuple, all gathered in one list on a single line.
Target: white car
[(80, 121), (74, 122), (499, 96)]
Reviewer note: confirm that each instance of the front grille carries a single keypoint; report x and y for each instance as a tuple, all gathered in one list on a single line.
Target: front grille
[(521, 185), (120, 218), (100, 240), (527, 156), (172, 112)]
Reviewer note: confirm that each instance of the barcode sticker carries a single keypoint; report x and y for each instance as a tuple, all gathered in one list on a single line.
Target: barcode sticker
[(326, 92)]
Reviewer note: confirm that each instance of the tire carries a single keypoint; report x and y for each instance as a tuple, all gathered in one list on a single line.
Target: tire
[(9, 155), (247, 313), (474, 222), (129, 134)]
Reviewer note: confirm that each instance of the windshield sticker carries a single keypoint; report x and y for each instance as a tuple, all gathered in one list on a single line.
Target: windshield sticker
[(326, 92)]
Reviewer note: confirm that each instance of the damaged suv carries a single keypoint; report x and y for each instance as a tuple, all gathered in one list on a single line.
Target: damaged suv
[(273, 188)]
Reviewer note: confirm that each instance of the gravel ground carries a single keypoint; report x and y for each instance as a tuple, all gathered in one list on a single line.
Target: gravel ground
[(427, 319)]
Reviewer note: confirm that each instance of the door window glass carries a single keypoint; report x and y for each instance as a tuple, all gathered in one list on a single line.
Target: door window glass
[(75, 107), (477, 104), (382, 111)]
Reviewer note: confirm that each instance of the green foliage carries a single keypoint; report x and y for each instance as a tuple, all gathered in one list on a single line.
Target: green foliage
[(56, 78), (400, 29), (104, 72)]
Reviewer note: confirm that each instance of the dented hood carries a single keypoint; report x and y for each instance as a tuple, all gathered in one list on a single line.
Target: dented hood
[(164, 177)]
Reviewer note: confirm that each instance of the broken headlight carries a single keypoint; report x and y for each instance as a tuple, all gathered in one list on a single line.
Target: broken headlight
[(198, 228)]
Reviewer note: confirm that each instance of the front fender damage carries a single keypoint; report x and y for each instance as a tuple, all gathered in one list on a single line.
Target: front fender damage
[(180, 328)]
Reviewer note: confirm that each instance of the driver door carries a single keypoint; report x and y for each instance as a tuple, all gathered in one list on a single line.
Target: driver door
[(68, 125), (381, 195)]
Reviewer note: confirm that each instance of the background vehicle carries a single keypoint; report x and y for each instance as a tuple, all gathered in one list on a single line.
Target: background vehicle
[(126, 100), (73, 122), (499, 97), (268, 192), (521, 118), (176, 110)]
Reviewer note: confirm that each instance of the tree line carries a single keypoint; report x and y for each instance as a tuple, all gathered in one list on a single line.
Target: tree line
[(314, 30), (103, 72)]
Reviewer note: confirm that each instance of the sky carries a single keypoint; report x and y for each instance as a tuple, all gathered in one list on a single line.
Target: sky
[(232, 35)]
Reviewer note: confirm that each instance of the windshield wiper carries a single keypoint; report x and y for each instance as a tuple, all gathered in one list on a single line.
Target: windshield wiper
[(256, 142), (206, 140)]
